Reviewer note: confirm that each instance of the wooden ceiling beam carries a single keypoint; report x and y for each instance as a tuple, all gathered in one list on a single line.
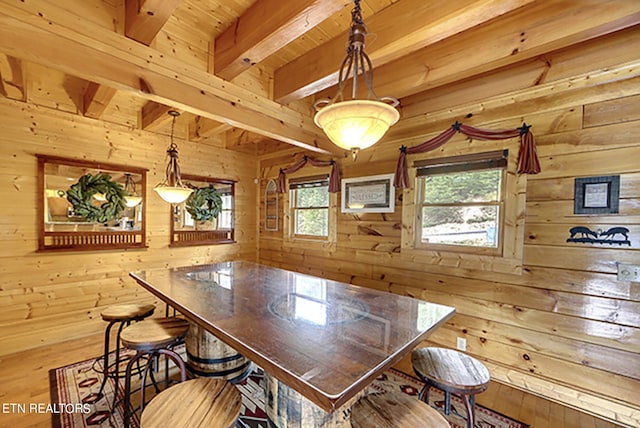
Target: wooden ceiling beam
[(203, 128), (154, 116), (528, 32), (12, 78), (46, 34), (582, 59), (143, 21), (145, 18), (423, 23), (96, 99), (260, 31)]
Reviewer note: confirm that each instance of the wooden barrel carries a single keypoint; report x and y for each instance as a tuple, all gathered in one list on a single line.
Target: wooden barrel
[(287, 408), (208, 356)]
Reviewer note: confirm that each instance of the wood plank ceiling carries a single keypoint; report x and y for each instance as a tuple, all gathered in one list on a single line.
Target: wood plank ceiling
[(246, 72)]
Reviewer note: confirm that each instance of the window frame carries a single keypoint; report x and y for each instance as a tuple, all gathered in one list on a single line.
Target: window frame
[(296, 184), (465, 163), (511, 260)]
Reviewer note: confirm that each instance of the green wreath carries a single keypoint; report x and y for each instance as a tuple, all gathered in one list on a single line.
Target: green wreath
[(205, 203), (80, 195)]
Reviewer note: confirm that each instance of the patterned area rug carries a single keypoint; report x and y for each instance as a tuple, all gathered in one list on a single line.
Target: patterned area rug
[(75, 387)]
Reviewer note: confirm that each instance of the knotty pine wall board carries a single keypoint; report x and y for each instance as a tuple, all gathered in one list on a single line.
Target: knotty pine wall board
[(51, 297), (566, 293)]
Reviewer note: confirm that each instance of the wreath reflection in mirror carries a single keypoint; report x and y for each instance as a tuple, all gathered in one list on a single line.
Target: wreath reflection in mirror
[(82, 196), (204, 204)]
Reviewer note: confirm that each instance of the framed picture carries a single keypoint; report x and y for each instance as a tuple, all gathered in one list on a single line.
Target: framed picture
[(597, 195), (373, 194)]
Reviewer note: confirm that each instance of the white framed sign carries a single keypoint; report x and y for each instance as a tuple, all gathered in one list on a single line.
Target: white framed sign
[(372, 194)]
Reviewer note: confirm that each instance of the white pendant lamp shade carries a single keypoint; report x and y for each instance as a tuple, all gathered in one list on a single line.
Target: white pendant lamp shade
[(173, 194), (132, 201), (356, 124)]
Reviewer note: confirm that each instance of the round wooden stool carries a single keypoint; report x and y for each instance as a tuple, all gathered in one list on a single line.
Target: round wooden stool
[(395, 410), (454, 373), (150, 339), (124, 315), (200, 402)]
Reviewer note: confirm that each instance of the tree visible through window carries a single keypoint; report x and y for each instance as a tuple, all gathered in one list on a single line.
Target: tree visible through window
[(461, 204), (310, 207)]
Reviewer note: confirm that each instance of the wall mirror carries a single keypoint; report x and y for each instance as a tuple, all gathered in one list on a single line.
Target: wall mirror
[(85, 205), (271, 206), (207, 216)]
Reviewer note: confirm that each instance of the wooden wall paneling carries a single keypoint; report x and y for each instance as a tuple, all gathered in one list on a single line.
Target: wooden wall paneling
[(614, 111), (478, 331), (54, 89), (580, 282), (567, 144), (596, 259), (586, 401), (563, 309), (372, 243), (588, 164), (568, 93), (47, 298), (567, 303), (562, 188), (597, 332), (562, 212), (610, 385), (557, 234)]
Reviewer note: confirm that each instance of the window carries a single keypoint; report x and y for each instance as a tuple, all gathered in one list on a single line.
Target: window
[(309, 202), (461, 203), (225, 219)]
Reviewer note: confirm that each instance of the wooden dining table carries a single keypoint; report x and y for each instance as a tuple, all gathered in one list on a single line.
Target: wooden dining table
[(320, 340)]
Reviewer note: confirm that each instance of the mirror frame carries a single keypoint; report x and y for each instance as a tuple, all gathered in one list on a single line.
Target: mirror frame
[(88, 240), (271, 207), (193, 237)]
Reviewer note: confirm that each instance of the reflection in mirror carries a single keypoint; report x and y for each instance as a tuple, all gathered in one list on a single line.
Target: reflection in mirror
[(90, 206), (207, 216), (271, 206)]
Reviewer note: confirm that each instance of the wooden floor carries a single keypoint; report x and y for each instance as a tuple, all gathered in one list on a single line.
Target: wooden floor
[(24, 380)]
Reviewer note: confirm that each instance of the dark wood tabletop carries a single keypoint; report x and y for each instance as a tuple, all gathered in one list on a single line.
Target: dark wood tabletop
[(326, 339)]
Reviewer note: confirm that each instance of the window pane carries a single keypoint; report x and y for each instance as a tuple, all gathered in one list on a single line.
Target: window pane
[(472, 186), (224, 220), (312, 197), (469, 225), (312, 222), (226, 202)]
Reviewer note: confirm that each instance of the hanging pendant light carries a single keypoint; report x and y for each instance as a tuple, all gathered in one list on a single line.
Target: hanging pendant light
[(132, 198), (356, 124), (172, 189)]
